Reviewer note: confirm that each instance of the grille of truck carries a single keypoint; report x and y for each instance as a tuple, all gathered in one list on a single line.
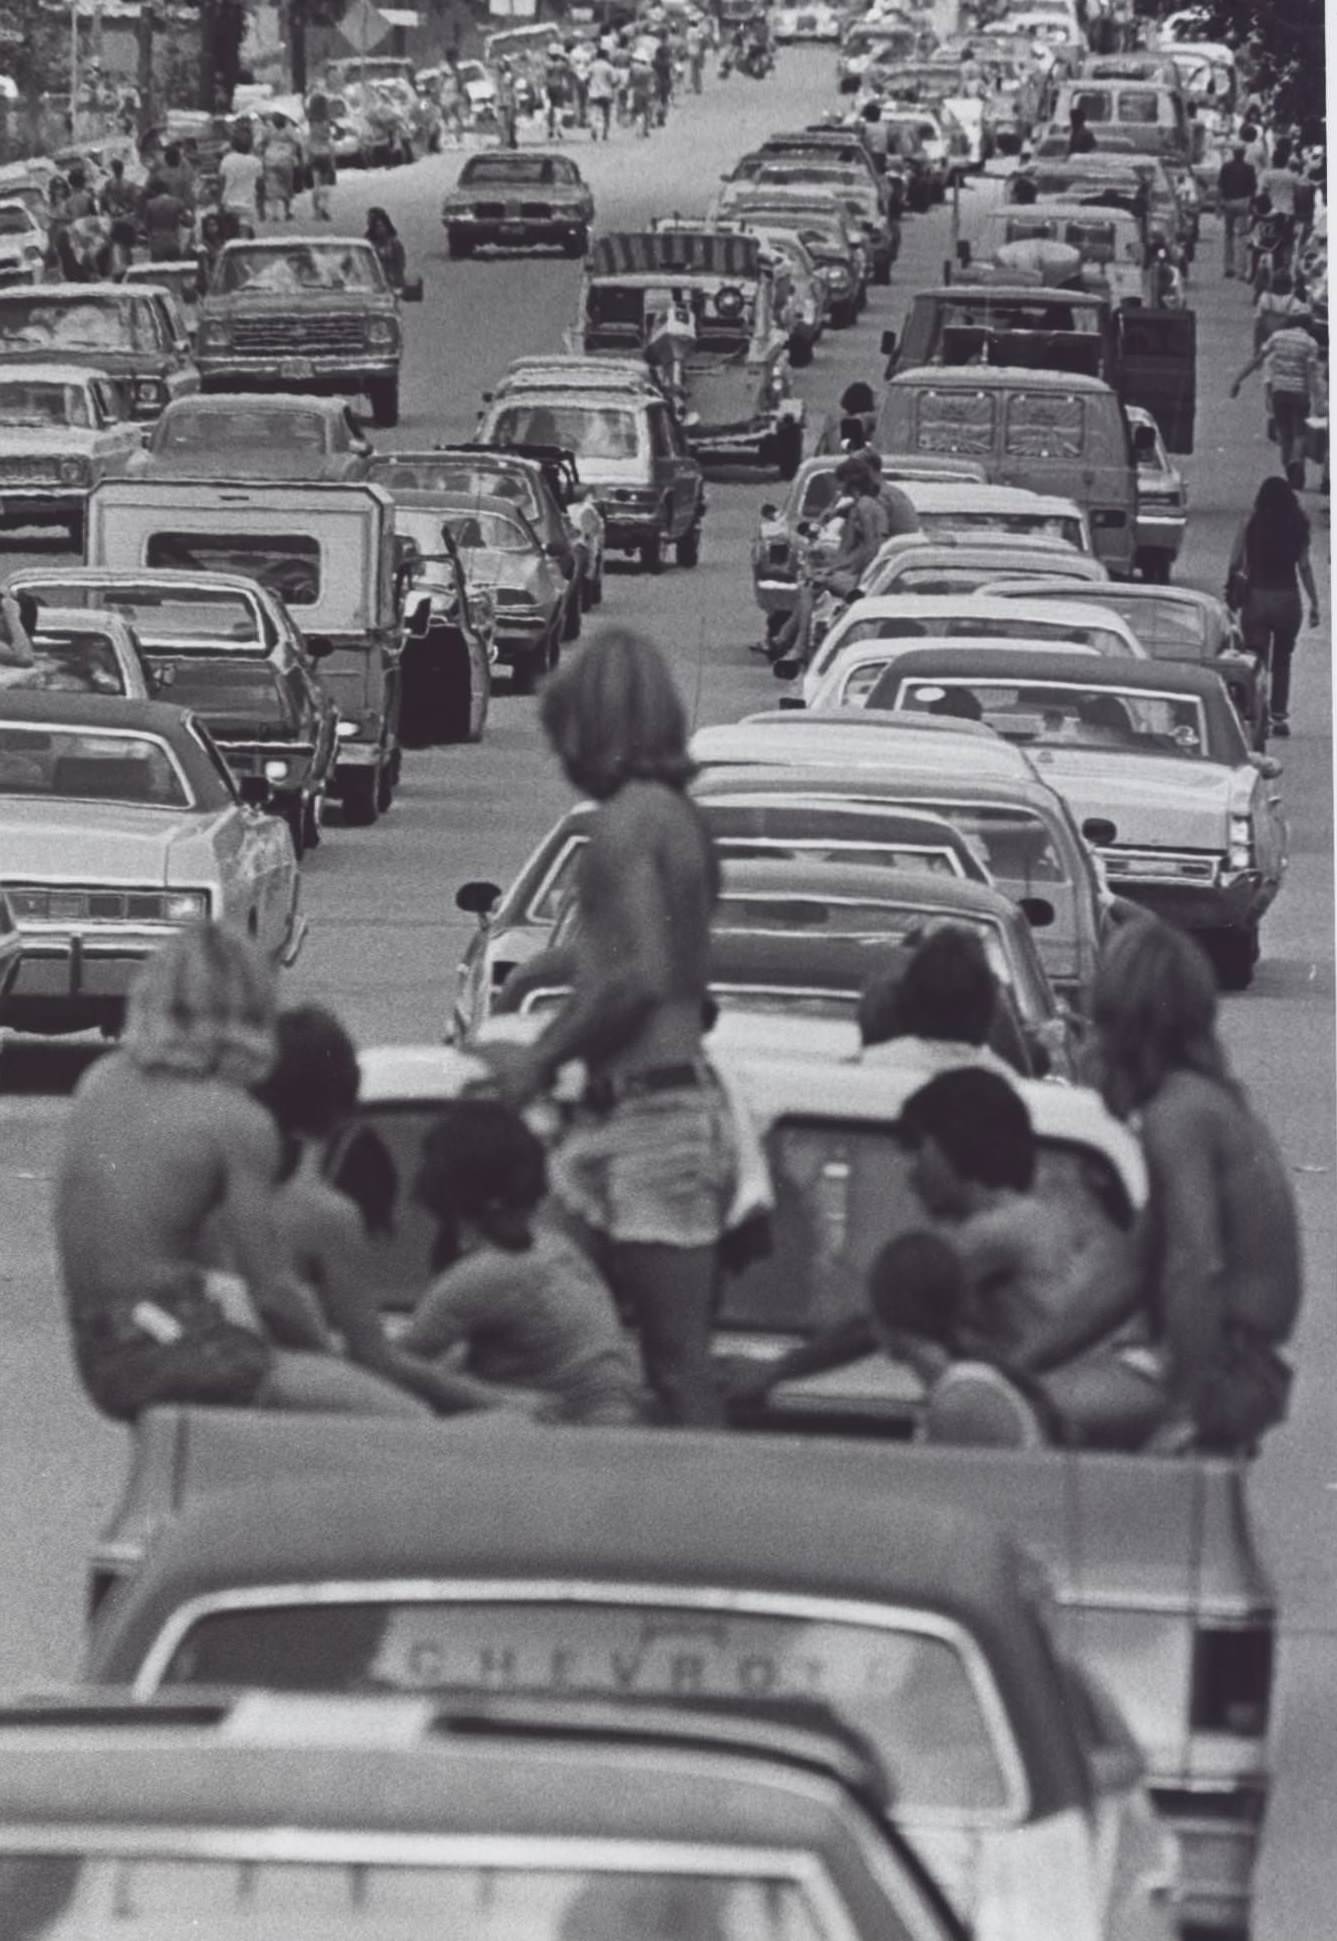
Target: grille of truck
[(319, 336), (536, 211), (45, 469)]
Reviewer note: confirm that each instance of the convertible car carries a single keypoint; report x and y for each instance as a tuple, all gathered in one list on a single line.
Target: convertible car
[(119, 824)]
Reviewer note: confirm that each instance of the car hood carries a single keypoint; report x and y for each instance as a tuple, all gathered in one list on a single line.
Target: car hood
[(82, 842), (310, 303), (1153, 802), (60, 440)]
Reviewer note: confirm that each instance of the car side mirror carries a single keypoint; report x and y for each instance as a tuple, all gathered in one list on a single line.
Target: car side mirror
[(254, 791), (786, 669), (1037, 910), (477, 899), (410, 290), (1099, 831), (1267, 765), (318, 647)]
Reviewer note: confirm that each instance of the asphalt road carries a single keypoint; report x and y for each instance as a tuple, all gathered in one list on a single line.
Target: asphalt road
[(386, 938)]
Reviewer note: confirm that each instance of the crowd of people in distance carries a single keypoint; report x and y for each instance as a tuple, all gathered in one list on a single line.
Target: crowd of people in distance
[(212, 1235), (626, 78)]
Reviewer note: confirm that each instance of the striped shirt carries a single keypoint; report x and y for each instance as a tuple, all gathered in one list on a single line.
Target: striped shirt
[(1290, 362)]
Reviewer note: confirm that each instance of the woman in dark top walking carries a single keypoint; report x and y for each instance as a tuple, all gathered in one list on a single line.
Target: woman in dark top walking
[(1223, 1271), (1269, 565)]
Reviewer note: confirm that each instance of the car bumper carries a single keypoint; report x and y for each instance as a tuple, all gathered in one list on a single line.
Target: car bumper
[(519, 636), (237, 373), (519, 232), (1233, 901), (78, 971), (1160, 532), (627, 526), (754, 443), (41, 505), (1217, 1831)]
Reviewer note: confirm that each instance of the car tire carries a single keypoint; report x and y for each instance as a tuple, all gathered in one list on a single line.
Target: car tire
[(528, 668), (800, 351), (571, 613), (651, 553), (383, 397), (882, 269), (458, 245), (788, 449), (1155, 567), (1235, 955), (577, 245), (687, 550), (361, 797), (594, 594), (385, 786), (844, 313)]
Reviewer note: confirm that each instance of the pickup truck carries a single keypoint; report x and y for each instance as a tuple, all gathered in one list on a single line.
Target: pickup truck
[(1159, 1587), (327, 551)]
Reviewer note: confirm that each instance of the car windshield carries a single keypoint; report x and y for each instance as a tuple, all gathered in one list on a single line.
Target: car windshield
[(912, 1695), (208, 429), (161, 617), (483, 1893), (461, 478), (1049, 525), (39, 403), (591, 431), (296, 268), (35, 322), (966, 626), (806, 914), (1049, 714), (1168, 629), (73, 765), (480, 528), (70, 663), (287, 564), (237, 698)]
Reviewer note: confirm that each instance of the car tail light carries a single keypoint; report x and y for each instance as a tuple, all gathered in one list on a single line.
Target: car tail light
[(1232, 1680)]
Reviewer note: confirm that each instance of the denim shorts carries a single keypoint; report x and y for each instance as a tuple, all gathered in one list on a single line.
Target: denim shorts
[(659, 1168)]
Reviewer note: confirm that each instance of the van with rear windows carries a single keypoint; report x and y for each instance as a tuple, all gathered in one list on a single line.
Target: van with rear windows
[(1051, 431)]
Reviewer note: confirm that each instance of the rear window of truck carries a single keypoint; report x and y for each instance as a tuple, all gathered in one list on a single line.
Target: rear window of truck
[(287, 564)]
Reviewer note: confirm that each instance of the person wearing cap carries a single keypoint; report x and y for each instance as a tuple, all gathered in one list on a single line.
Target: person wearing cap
[(1237, 185), (1293, 381)]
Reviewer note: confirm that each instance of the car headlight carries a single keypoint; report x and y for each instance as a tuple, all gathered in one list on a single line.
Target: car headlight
[(277, 771), (214, 336), (185, 906), (75, 471), (381, 332), (346, 730), (1241, 842)]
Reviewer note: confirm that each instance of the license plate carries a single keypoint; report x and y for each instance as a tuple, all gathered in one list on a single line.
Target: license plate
[(513, 228), (296, 367)]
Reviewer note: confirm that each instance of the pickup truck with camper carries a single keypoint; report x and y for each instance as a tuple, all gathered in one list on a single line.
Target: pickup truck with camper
[(327, 551)]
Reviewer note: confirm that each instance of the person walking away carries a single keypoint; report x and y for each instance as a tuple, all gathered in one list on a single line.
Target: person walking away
[(281, 157), (556, 90), (1279, 183), (166, 222), (176, 172), (648, 1169), (507, 105), (579, 59), (1224, 1254), (320, 155), (165, 1152), (385, 240), (663, 69), (1279, 304), (1268, 566), (511, 1286), (602, 93), (451, 96), (210, 247), (239, 180), (640, 90), (1236, 187), (695, 41), (1293, 381), (120, 205)]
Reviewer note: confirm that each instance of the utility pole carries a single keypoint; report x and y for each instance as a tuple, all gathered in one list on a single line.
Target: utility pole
[(144, 32)]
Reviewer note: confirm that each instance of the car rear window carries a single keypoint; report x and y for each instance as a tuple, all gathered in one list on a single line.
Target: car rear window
[(73, 663), (287, 564), (1044, 424), (1047, 525), (911, 1694), (63, 764), (237, 698), (159, 616), (486, 1894), (955, 421), (590, 431), (1053, 715), (962, 626), (86, 323)]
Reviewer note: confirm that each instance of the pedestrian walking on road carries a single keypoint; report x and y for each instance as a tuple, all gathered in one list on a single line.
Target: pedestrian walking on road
[(1293, 380), (1269, 564), (320, 155), (602, 94), (1223, 1243), (650, 1165), (1237, 185)]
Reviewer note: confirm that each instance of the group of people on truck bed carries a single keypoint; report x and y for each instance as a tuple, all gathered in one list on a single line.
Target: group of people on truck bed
[(207, 1257)]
